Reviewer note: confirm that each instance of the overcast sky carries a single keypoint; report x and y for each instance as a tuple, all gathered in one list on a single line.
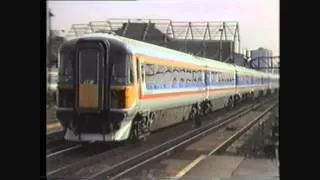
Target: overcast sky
[(258, 19)]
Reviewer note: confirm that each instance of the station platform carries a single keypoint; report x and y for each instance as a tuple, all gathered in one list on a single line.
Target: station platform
[(53, 128), (53, 124), (229, 167), (51, 115)]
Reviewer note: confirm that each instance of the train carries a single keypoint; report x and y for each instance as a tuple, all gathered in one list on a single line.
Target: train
[(112, 88)]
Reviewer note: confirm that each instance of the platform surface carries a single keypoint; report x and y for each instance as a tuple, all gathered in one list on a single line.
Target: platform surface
[(234, 167), (53, 124), (53, 128), (51, 115)]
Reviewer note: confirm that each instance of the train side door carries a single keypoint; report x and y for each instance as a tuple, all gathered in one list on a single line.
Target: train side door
[(236, 81), (207, 80), (140, 75)]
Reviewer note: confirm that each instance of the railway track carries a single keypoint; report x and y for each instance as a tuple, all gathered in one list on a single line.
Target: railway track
[(62, 148), (229, 138), (121, 160), (55, 143), (55, 131), (120, 170), (62, 160)]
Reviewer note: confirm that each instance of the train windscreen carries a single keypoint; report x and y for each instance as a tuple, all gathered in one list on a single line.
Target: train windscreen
[(65, 67), (121, 71), (89, 67)]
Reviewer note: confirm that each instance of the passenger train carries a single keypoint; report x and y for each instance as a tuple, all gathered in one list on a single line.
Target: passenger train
[(112, 88)]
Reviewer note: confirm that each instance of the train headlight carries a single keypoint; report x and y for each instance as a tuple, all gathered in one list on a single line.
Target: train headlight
[(130, 96), (124, 97)]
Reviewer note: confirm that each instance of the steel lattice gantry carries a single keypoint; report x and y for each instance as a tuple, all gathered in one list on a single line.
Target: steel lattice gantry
[(271, 64), (213, 39)]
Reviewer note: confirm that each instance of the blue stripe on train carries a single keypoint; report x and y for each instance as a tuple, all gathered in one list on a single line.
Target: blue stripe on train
[(154, 86)]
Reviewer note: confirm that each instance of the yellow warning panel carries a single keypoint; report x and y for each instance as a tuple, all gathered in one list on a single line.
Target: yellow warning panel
[(89, 96)]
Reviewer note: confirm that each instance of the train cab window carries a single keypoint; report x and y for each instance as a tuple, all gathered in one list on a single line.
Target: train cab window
[(118, 72), (122, 70), (88, 65), (65, 63)]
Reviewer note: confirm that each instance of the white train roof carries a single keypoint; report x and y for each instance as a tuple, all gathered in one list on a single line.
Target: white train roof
[(139, 47)]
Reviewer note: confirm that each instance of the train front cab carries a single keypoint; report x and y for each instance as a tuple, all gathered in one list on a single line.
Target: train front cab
[(96, 90)]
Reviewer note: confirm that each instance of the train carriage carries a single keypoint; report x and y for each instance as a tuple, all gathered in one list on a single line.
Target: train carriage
[(251, 83), (274, 83), (113, 88), (244, 84), (220, 83), (265, 83)]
